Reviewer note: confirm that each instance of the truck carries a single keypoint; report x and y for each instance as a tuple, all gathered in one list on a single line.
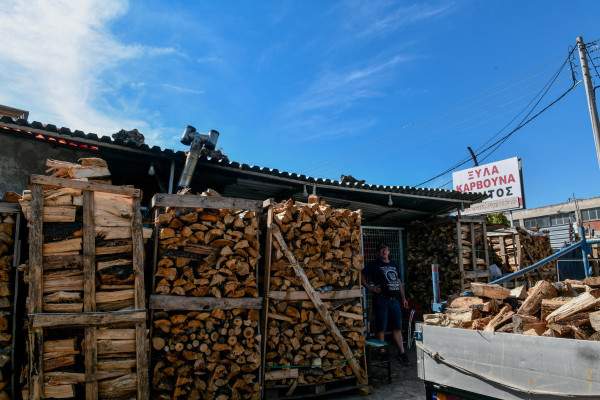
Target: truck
[(462, 364)]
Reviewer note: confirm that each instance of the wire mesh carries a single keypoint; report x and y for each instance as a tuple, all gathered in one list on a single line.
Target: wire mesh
[(371, 237)]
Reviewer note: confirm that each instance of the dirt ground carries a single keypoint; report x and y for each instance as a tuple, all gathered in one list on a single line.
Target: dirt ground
[(405, 385)]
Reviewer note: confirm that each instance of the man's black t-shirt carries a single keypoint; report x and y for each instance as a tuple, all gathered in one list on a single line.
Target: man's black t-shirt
[(384, 275)]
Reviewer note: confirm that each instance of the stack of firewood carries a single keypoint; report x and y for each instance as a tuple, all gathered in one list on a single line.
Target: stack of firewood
[(207, 252), (325, 243), (206, 355), (437, 243), (516, 248), (62, 249), (7, 239), (563, 309)]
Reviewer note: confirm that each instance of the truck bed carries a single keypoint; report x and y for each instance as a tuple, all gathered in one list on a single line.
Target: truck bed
[(569, 368)]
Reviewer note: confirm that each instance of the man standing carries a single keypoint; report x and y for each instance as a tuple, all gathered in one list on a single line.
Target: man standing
[(387, 290)]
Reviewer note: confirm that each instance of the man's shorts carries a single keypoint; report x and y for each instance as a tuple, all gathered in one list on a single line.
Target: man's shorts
[(386, 308)]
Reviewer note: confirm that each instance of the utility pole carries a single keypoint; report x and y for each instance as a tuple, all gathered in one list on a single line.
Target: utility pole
[(591, 95)]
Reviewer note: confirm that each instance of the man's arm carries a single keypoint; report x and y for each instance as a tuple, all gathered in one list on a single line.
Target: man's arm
[(403, 301), (365, 283)]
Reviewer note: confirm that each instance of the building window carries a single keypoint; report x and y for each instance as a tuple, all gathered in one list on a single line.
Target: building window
[(591, 215)]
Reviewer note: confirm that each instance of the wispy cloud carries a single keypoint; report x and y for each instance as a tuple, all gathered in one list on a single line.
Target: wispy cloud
[(380, 18), (181, 89), (54, 56), (212, 59), (337, 91)]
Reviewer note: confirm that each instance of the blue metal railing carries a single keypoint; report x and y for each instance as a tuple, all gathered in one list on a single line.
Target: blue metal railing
[(585, 247)]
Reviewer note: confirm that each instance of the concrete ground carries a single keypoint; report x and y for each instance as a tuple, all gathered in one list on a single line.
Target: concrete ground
[(405, 385)]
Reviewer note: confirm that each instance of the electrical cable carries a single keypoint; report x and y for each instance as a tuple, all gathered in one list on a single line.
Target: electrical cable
[(522, 124), (379, 153), (356, 148)]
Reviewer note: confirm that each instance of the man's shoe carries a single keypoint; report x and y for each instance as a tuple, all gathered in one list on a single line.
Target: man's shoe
[(403, 358)]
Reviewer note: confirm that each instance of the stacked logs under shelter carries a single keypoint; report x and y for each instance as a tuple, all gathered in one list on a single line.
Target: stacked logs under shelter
[(516, 248), (437, 242), (85, 263), (206, 336), (314, 319), (7, 270), (569, 309)]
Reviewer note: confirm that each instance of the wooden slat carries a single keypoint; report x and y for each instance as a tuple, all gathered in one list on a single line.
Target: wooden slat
[(36, 336), (138, 255), (361, 376), (89, 259), (460, 257), (164, 302), (83, 319), (9, 207), (266, 283), (485, 244), (91, 357), (477, 274), (298, 295), (473, 250), (142, 349), (71, 183), (174, 200)]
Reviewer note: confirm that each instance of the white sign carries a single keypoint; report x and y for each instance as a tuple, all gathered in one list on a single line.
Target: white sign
[(500, 180)]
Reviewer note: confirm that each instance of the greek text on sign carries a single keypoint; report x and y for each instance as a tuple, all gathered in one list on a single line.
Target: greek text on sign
[(500, 180)]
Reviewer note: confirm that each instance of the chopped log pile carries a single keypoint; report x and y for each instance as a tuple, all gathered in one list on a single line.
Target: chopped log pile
[(207, 252), (7, 242), (516, 248), (206, 355), (569, 309), (63, 277), (314, 317), (208, 346), (437, 243), (85, 261)]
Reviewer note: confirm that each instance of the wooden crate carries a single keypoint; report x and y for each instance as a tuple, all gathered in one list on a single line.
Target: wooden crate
[(472, 242), (210, 335), (89, 319), (302, 307)]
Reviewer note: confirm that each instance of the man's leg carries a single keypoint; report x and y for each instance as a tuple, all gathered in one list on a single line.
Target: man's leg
[(398, 339), (381, 317)]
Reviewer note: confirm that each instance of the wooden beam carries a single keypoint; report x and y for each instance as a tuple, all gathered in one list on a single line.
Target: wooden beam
[(268, 204), (36, 336), (138, 255), (70, 183), (321, 308), (85, 319), (165, 302), (175, 200), (10, 207), (298, 295), (91, 364), (142, 350)]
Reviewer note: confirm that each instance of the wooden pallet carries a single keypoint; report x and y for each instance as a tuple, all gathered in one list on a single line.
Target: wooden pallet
[(312, 390), (89, 319), (474, 274), (186, 304)]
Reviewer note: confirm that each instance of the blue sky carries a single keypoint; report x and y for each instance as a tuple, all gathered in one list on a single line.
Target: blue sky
[(392, 92)]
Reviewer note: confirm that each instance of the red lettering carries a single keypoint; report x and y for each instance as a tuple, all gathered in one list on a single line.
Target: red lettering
[(487, 183), (486, 172), (502, 180), (472, 185), (495, 180), (470, 175), (479, 185), (511, 178), (495, 170)]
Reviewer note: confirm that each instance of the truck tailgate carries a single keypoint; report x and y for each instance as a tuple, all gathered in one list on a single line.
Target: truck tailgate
[(565, 367)]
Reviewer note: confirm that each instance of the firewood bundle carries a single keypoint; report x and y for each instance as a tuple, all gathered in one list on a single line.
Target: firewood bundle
[(568, 309), (7, 239), (90, 169), (63, 280), (437, 243), (298, 336), (316, 259), (206, 355), (207, 252), (516, 248), (64, 370), (325, 241)]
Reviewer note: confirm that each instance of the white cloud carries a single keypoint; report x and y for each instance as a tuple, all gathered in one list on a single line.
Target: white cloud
[(181, 89), (54, 54)]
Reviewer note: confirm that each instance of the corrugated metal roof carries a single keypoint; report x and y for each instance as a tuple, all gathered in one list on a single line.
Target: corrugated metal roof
[(248, 181)]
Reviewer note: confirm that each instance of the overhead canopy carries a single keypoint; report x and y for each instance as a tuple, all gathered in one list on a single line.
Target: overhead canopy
[(129, 163)]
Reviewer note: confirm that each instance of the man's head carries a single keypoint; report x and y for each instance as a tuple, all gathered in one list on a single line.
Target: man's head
[(384, 251)]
